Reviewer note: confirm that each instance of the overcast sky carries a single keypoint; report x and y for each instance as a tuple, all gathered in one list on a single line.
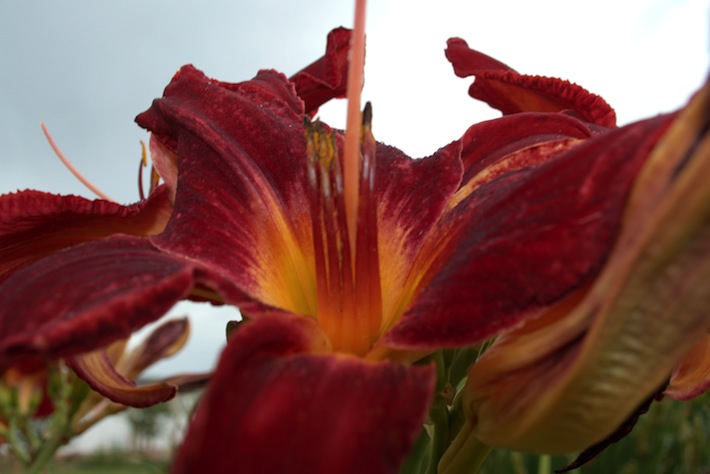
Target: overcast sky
[(87, 67)]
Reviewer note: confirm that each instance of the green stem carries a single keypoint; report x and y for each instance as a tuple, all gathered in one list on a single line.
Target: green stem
[(465, 455), (45, 454), (439, 415), (68, 394), (417, 456), (461, 363), (440, 418), (17, 445), (30, 433), (544, 464)]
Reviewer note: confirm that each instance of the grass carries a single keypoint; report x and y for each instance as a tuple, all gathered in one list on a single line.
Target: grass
[(100, 463)]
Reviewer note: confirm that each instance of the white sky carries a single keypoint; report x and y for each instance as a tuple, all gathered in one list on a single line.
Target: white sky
[(86, 68)]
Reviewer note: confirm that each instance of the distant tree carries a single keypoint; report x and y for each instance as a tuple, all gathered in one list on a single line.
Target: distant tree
[(145, 425)]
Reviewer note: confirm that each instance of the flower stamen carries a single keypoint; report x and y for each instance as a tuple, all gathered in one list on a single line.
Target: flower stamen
[(71, 167), (367, 266), (154, 176), (349, 296)]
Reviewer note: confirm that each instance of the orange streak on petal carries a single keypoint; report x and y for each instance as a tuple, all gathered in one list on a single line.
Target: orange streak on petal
[(287, 277)]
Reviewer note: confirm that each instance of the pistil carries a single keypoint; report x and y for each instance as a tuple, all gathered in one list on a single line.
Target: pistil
[(71, 167), (351, 152)]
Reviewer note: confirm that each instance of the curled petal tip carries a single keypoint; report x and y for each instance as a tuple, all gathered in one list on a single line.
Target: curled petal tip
[(504, 89), (98, 371)]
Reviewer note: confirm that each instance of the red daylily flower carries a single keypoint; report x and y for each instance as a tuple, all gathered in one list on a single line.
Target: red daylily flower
[(449, 250)]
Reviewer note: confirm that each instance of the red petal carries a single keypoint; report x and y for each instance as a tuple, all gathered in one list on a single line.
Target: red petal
[(276, 406), (524, 240), (488, 142), (411, 196), (165, 340), (88, 296), (241, 152), (97, 370), (510, 92), (35, 224), (327, 77)]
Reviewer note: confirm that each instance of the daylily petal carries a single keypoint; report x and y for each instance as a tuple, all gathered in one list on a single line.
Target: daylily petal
[(165, 340), (327, 77), (692, 377), (510, 92), (525, 239), (489, 150), (570, 378), (35, 224), (241, 152), (277, 403), (93, 294), (489, 142), (96, 369), (411, 197), (620, 433)]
